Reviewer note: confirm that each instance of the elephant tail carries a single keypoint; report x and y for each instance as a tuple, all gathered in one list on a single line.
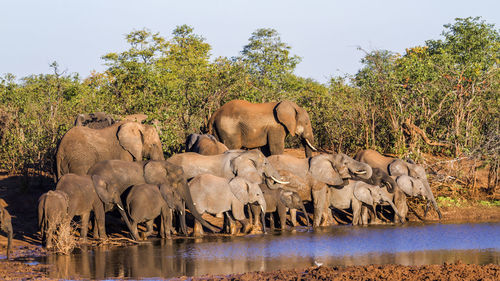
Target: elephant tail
[(211, 123)]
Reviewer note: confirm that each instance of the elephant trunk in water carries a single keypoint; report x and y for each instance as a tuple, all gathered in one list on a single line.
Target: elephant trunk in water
[(303, 209), (125, 218)]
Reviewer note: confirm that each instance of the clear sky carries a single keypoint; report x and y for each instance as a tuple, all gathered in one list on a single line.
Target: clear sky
[(325, 34)]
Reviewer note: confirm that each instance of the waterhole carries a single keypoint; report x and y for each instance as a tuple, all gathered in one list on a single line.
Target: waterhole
[(409, 244)]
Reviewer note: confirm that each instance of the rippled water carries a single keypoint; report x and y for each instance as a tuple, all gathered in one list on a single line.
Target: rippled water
[(409, 244)]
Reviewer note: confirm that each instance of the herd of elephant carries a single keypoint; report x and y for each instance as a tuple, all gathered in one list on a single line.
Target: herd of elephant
[(237, 170)]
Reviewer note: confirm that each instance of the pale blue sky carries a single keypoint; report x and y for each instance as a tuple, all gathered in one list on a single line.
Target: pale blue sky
[(324, 33)]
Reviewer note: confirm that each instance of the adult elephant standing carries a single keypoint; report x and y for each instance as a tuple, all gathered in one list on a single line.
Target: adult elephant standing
[(398, 167), (241, 124), (81, 147), (312, 176), (116, 176)]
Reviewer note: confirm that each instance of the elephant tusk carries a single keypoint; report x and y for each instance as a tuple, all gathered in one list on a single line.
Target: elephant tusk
[(310, 145), (120, 207), (262, 208), (360, 173), (278, 181)]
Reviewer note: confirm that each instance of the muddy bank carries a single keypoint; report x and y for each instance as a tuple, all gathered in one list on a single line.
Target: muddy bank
[(456, 271)]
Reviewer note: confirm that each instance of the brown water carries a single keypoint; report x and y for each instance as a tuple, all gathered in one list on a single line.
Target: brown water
[(410, 244)]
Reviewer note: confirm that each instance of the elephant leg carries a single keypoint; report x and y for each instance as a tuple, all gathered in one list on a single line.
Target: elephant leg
[(245, 226), (49, 235), (356, 211), (293, 217), (327, 217), (99, 221), (272, 226), (250, 217), (282, 215), (276, 141), (232, 224), (166, 222), (85, 226), (364, 215), (256, 215), (319, 199), (149, 229), (198, 229)]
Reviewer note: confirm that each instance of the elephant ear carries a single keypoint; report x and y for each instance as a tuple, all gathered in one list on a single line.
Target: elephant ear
[(286, 198), (240, 188), (286, 113), (167, 192), (191, 140), (363, 193), (245, 167), (322, 169), (398, 167), (101, 188), (155, 172), (131, 138)]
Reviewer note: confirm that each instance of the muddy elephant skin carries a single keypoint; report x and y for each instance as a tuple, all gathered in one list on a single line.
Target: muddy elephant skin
[(241, 124)]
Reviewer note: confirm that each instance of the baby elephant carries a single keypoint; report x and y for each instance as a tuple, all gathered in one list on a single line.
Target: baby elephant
[(6, 225), (204, 144), (279, 200), (52, 213), (82, 199), (145, 202), (214, 195)]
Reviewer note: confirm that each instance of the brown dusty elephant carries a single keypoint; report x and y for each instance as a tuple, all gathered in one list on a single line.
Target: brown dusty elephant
[(212, 194), (52, 213), (241, 124), (116, 176), (398, 167), (81, 147), (313, 175), (145, 202), (204, 144), (96, 120), (83, 198), (6, 225)]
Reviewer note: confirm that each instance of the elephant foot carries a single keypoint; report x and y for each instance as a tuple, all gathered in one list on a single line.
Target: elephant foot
[(219, 215), (233, 229), (198, 229), (377, 221)]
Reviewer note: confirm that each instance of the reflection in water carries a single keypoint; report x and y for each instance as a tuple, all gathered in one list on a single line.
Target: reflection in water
[(411, 244)]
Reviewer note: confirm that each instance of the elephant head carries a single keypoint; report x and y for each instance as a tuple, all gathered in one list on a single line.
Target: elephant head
[(411, 186), (163, 172), (371, 195), (171, 195), (110, 195), (399, 167), (328, 169), (140, 141), (254, 166), (247, 193), (6, 226), (292, 201), (296, 121)]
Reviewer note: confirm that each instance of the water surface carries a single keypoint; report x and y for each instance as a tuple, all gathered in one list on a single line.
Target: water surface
[(409, 244)]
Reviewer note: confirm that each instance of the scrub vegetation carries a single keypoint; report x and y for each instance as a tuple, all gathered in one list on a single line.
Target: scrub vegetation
[(442, 98)]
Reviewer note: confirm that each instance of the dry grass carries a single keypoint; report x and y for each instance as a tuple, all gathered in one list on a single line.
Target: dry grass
[(65, 238)]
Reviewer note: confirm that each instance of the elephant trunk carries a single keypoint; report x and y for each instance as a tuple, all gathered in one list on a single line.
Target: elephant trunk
[(431, 198), (303, 209), (186, 195), (183, 219), (397, 213), (263, 220), (125, 218)]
